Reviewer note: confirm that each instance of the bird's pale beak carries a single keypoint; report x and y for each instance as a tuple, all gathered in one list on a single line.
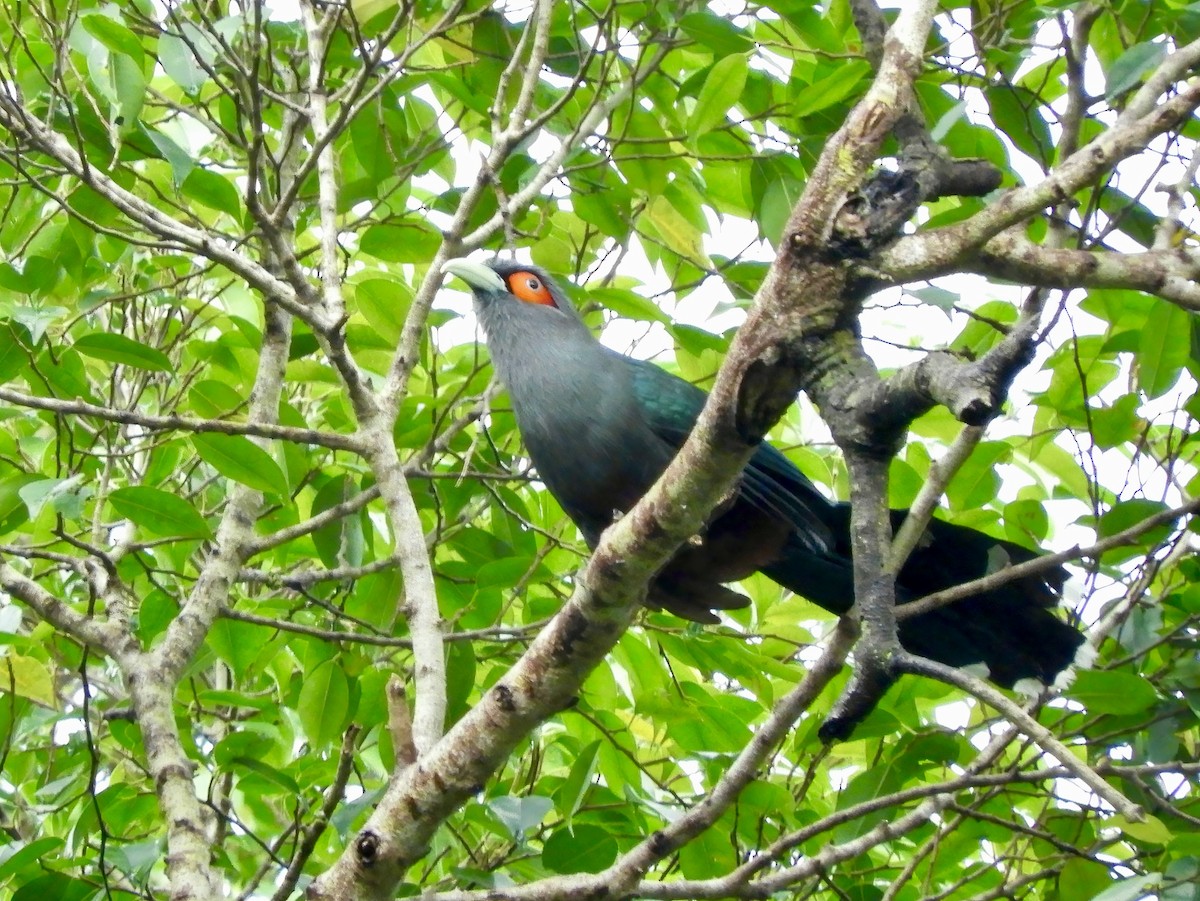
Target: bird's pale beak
[(477, 275)]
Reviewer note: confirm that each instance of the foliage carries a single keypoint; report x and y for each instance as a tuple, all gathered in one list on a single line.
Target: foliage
[(219, 226)]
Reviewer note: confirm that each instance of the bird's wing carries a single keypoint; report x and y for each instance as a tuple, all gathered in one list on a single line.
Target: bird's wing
[(771, 483)]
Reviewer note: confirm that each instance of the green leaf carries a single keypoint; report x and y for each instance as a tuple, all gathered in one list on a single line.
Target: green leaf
[(180, 63), (1133, 218), (955, 114), (211, 399), (700, 726), (1164, 348), (61, 494), (12, 353), (708, 856), (237, 643), (57, 886), (579, 849), (976, 482), (129, 83), (460, 678), (629, 304), (944, 300), (1114, 425), (602, 211), (14, 510), (159, 512), (520, 815), (1130, 66), (679, 234), (1132, 889), (1015, 110), (413, 242), (1150, 830), (384, 303), (579, 780), (1182, 882), (829, 90), (324, 704), (716, 34), (1110, 691), (115, 36), (114, 348), (1026, 522), (366, 10), (339, 543), (181, 161), (19, 855), (1081, 879), (1125, 515), (271, 774), (237, 457), (213, 191), (36, 319), (722, 89)]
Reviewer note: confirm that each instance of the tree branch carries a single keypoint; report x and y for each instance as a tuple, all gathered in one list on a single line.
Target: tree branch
[(419, 601), (152, 676), (943, 249), (910, 663), (84, 629), (1045, 562), (173, 423), (213, 246)]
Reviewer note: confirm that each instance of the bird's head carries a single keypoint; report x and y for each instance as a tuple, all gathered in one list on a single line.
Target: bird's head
[(507, 281)]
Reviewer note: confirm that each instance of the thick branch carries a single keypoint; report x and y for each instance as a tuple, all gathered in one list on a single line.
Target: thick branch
[(1173, 275), (82, 628), (943, 249), (874, 596), (972, 390), (936, 172)]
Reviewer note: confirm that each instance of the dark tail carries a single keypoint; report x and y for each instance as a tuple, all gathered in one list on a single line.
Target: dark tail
[(1011, 629)]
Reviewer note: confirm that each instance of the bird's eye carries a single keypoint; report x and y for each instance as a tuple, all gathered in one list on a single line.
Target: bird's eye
[(530, 288)]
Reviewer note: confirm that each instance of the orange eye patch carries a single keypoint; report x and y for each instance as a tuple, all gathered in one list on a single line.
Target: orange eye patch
[(530, 288)]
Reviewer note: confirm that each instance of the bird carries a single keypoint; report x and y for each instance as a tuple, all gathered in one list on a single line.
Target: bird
[(600, 427)]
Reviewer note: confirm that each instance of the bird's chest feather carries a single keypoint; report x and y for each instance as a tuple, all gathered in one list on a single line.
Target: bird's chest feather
[(589, 443), (577, 412), (593, 451)]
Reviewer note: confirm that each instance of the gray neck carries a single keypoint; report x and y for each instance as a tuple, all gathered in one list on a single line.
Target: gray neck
[(555, 370)]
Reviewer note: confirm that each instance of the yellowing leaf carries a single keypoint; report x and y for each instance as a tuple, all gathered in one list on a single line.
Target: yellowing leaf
[(676, 232), (27, 677)]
